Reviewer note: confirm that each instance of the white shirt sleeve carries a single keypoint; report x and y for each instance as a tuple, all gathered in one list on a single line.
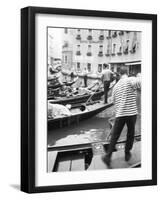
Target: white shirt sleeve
[(136, 83)]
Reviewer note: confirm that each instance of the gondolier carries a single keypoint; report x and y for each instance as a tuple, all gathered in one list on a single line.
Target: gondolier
[(85, 73), (106, 79), (124, 99)]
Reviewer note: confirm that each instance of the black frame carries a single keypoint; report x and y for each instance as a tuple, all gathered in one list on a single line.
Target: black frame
[(28, 98)]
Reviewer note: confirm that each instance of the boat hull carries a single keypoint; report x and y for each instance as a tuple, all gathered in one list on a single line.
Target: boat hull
[(76, 117), (76, 99)]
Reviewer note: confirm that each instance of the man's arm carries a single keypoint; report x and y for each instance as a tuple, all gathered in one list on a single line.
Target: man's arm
[(113, 95), (102, 77), (136, 83)]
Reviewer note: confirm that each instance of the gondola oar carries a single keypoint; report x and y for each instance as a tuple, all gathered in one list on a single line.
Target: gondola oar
[(83, 106)]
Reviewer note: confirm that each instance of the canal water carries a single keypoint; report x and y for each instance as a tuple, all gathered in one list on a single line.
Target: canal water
[(95, 129)]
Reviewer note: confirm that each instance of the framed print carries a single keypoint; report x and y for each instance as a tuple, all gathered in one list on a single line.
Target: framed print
[(88, 99)]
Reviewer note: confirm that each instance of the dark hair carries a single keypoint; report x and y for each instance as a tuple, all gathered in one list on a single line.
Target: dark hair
[(123, 70), (105, 65)]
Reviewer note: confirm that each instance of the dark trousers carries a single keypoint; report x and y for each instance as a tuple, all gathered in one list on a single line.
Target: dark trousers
[(116, 132), (85, 80), (106, 88)]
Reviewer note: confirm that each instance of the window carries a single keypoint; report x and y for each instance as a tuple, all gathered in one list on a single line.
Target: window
[(113, 49), (78, 37), (89, 67), (78, 67), (78, 52), (114, 34), (89, 53), (100, 51), (121, 32), (108, 34), (120, 50), (126, 48), (108, 50), (99, 68), (101, 37), (134, 46), (65, 45), (101, 47), (66, 59), (134, 43), (65, 30), (89, 37)]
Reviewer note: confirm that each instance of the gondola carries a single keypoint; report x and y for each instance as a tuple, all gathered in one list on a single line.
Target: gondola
[(77, 115), (54, 86), (70, 83), (59, 85), (88, 156), (76, 98)]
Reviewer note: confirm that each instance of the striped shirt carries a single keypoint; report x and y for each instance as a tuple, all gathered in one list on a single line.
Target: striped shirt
[(124, 96)]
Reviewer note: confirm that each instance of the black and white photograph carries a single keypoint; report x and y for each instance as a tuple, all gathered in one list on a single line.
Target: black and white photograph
[(89, 91), (93, 99)]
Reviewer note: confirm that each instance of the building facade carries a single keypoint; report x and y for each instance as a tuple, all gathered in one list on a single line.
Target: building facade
[(50, 50), (90, 49)]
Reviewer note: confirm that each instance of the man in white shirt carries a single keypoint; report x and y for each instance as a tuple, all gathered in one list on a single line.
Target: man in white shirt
[(85, 73), (106, 79)]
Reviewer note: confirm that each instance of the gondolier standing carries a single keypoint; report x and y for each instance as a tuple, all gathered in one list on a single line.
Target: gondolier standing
[(106, 78), (85, 72), (124, 98)]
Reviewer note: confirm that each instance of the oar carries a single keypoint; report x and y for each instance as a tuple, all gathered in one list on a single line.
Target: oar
[(83, 106)]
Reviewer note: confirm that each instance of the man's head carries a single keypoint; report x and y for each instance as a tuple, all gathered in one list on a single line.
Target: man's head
[(106, 66), (123, 70)]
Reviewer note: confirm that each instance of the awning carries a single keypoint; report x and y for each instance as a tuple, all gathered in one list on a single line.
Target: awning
[(133, 63), (137, 62)]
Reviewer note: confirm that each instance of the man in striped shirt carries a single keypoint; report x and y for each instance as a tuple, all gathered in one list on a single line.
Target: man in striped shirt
[(124, 99)]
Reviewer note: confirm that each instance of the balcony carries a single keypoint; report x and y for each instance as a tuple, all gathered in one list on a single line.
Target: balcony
[(89, 54), (78, 37), (107, 54), (89, 37), (78, 53), (119, 53), (100, 54), (101, 37)]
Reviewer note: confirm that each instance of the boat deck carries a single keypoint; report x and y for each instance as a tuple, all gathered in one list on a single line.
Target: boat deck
[(91, 159), (118, 159)]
